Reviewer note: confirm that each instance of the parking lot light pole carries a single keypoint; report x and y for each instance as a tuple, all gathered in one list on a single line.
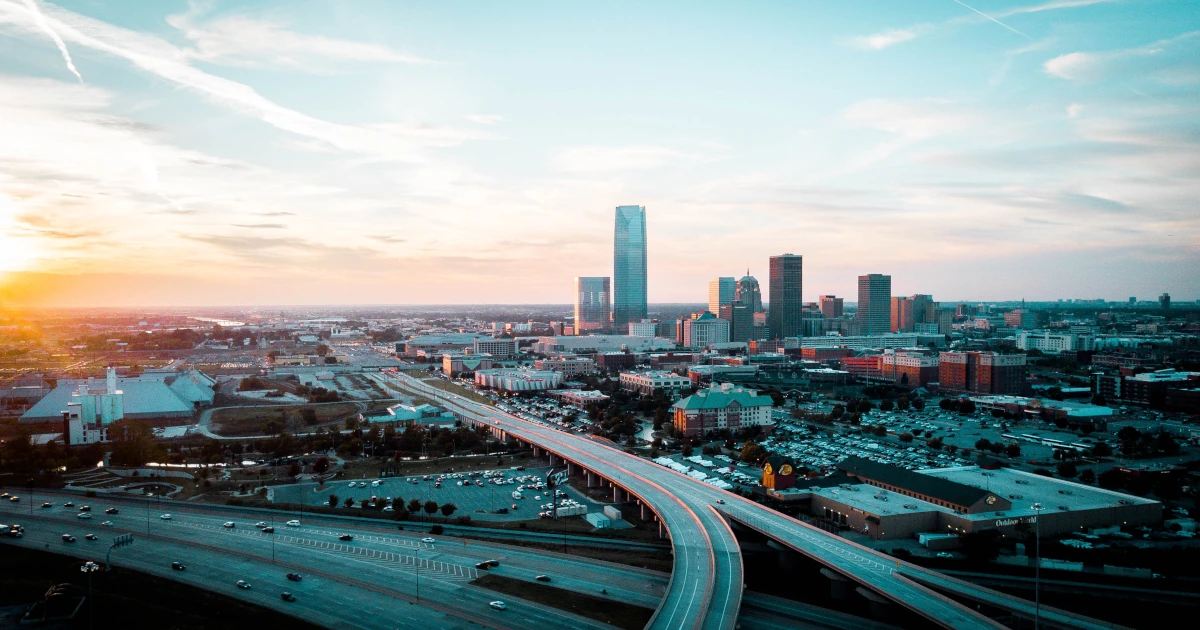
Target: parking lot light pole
[(1037, 567), (89, 568)]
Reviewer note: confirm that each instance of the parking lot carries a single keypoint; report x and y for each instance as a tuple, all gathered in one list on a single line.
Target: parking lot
[(477, 496)]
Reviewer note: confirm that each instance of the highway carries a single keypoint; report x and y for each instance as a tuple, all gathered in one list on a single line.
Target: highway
[(377, 570), (905, 584)]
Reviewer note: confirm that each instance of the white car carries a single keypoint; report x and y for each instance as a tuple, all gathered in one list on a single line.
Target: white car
[(165, 517), (229, 525), (388, 509), (260, 524), (428, 540), (85, 515), (243, 584), (107, 523), (293, 523), (498, 605)]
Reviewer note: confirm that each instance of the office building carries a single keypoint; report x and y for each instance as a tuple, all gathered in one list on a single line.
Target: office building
[(831, 306), (570, 365), (591, 344), (629, 267), (653, 382), (784, 319), (1164, 300), (501, 349), (1054, 343), (740, 318), (644, 328), (720, 407), (902, 315), (705, 330), (911, 369), (720, 293), (748, 292), (459, 364), (981, 372), (518, 380), (593, 297), (1021, 318), (874, 304)]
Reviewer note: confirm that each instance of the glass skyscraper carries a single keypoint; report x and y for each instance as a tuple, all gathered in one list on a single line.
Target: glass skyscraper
[(591, 304), (786, 314), (629, 267)]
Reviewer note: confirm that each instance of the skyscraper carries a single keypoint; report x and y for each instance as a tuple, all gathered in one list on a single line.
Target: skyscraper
[(720, 293), (786, 306), (592, 296), (874, 304), (747, 292), (629, 267), (831, 306)]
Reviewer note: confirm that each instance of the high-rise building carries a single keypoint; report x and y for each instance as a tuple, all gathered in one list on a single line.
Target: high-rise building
[(786, 306), (629, 267), (981, 372), (874, 304), (720, 293), (704, 330), (1164, 300), (748, 292), (831, 306), (902, 314), (912, 311), (592, 301), (741, 321)]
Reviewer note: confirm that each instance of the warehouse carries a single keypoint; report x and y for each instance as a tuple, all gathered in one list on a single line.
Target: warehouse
[(145, 397)]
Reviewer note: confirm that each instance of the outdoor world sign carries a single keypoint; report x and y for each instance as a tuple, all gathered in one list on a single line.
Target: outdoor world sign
[(1005, 522)]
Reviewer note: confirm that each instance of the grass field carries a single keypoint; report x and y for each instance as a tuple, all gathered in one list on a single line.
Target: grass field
[(128, 599), (238, 421), (619, 614)]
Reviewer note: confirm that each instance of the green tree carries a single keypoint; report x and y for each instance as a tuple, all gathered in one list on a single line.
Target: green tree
[(1087, 476), (321, 466), (1067, 470), (886, 405), (349, 501), (430, 507), (1013, 450), (333, 500), (906, 437), (448, 509), (753, 453), (322, 349), (414, 505)]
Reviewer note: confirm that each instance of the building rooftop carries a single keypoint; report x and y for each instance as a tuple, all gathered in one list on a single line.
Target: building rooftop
[(723, 396), (947, 490), (1024, 489)]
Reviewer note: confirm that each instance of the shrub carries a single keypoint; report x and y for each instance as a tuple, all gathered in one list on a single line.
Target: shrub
[(91, 494), (436, 530)]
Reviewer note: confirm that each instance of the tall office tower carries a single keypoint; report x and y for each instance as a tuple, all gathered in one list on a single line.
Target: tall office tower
[(741, 321), (831, 306), (720, 293), (592, 297), (629, 267), (924, 309), (902, 314), (874, 304), (1164, 300), (786, 314), (748, 292)]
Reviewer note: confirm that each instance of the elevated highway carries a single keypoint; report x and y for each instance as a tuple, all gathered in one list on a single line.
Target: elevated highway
[(697, 514)]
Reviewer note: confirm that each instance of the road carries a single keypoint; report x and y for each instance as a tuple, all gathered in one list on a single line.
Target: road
[(377, 570), (708, 507)]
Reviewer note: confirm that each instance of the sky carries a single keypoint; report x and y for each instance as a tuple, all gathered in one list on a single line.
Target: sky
[(379, 152)]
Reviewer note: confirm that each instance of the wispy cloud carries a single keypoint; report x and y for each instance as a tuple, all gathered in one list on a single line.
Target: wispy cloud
[(596, 159), (260, 226), (247, 41), (1163, 59), (484, 119), (45, 26), (890, 37)]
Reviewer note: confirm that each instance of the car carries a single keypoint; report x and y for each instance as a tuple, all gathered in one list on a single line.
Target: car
[(178, 566), (68, 504), (68, 538), (542, 578), (229, 525), (260, 524), (388, 509), (112, 511), (498, 605), (428, 540), (165, 517), (46, 505), (720, 501), (483, 566), (945, 554), (294, 577), (287, 597), (14, 499), (4, 496), (346, 537), (85, 508), (293, 523), (243, 584), (84, 515), (268, 530), (92, 537), (107, 523)]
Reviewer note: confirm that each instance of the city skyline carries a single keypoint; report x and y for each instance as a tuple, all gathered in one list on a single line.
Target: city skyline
[(385, 153)]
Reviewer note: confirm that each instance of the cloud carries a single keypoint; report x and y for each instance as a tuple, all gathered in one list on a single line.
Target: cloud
[(1073, 110), (277, 214), (485, 119), (45, 26), (890, 37), (1167, 60), (260, 226), (241, 40), (1048, 6), (595, 159), (914, 119)]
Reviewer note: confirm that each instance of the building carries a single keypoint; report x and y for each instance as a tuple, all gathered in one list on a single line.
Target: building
[(435, 345), (741, 321), (501, 349), (629, 267), (644, 328), (865, 368), (704, 330), (724, 406), (418, 414), (874, 304), (593, 344), (90, 412), (748, 292), (720, 293), (981, 372), (1152, 388), (1054, 343), (146, 397), (902, 315), (1164, 301), (652, 382), (460, 364), (911, 369), (615, 361), (570, 365), (518, 379), (1021, 407), (831, 306), (593, 296), (1024, 319), (860, 342), (784, 319), (581, 397)]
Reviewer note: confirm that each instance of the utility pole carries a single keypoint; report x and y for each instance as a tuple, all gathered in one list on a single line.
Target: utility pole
[(1037, 569), (89, 568)]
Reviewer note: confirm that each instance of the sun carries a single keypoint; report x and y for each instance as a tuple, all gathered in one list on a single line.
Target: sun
[(16, 253)]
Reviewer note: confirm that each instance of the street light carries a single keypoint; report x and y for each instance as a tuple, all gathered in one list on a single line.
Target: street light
[(89, 568), (1037, 567)]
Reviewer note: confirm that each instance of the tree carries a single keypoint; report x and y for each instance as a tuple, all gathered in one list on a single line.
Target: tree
[(753, 453), (1099, 400), (349, 501), (1101, 450), (1013, 450), (1087, 476), (448, 509), (294, 469), (837, 412), (333, 500), (321, 466), (983, 444), (1043, 472), (966, 407), (322, 349), (918, 404), (886, 405), (430, 507), (934, 443), (1067, 470), (414, 506), (687, 449), (906, 437)]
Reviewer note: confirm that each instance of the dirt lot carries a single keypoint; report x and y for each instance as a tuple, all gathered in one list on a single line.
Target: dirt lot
[(240, 421), (458, 389), (619, 614)]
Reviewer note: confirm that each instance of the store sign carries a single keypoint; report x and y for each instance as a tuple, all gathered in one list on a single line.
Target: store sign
[(1007, 522)]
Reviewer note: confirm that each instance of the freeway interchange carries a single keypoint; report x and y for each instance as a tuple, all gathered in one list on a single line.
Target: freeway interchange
[(707, 581)]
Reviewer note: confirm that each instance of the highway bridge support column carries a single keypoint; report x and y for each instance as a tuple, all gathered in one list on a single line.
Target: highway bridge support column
[(840, 587), (642, 511), (537, 452), (881, 607), (591, 479), (570, 469), (788, 560)]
